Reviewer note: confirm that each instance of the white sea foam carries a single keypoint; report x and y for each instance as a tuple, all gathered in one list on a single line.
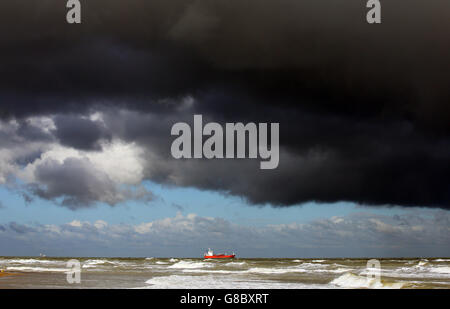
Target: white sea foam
[(88, 266), (396, 273), (100, 263), (235, 264), (220, 282), (350, 280), (30, 261), (335, 271), (301, 268), (189, 264), (36, 269), (210, 271), (262, 270), (311, 265), (440, 270), (96, 262)]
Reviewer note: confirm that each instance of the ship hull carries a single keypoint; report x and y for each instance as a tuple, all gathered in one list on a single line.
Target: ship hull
[(220, 256)]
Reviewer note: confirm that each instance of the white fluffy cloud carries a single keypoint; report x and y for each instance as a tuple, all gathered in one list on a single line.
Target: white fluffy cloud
[(71, 177)]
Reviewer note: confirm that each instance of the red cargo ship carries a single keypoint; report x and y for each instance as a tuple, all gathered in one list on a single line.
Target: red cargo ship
[(210, 255)]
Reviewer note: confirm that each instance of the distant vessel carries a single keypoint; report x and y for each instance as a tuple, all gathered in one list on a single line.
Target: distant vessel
[(210, 255)]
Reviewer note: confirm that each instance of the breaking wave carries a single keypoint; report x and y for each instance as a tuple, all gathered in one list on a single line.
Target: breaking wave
[(350, 280), (219, 282), (248, 273), (30, 261), (36, 269), (190, 264), (440, 270)]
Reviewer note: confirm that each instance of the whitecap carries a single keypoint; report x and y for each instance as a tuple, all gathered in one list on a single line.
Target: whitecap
[(350, 280), (36, 269), (220, 282), (187, 264), (440, 270), (261, 270)]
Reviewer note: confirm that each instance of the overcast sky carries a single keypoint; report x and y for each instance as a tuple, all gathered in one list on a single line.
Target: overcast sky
[(86, 113)]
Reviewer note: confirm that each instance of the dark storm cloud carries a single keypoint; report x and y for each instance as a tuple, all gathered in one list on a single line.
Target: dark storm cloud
[(326, 160), (363, 109), (76, 183), (324, 54), (72, 178), (79, 133), (29, 131)]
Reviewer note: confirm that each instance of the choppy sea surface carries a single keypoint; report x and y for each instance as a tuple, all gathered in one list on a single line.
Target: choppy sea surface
[(148, 273)]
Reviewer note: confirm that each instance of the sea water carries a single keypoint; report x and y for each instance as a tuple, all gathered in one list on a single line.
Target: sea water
[(47, 272)]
